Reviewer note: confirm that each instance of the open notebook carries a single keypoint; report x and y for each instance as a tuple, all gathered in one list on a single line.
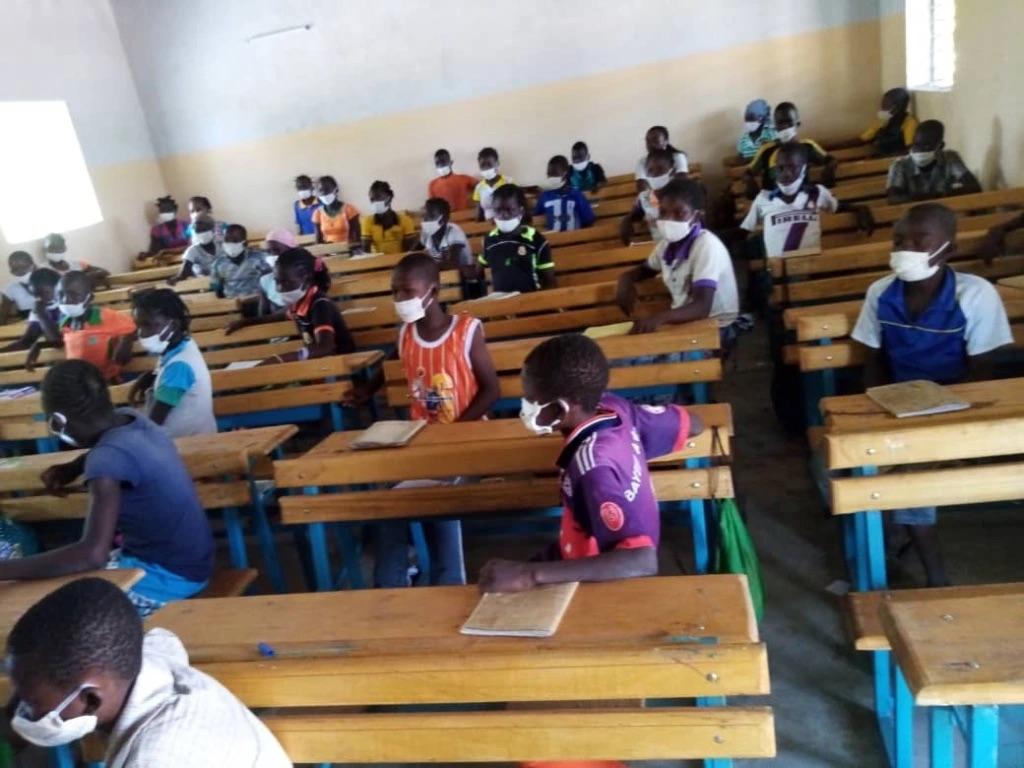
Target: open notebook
[(389, 434), (916, 398), (535, 613)]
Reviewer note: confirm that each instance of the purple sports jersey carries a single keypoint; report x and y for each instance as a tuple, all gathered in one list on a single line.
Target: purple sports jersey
[(608, 499)]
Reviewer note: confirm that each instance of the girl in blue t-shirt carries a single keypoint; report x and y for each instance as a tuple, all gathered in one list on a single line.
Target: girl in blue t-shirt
[(305, 205)]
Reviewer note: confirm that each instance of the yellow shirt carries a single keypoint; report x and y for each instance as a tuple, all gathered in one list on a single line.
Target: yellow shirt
[(388, 240), (908, 127)]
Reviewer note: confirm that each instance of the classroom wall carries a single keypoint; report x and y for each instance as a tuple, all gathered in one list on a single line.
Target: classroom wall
[(71, 50), (374, 87)]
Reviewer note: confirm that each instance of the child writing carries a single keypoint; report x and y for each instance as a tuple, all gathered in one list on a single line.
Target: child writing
[(611, 525), (693, 263), (99, 335), (237, 271), (757, 129), (335, 221), (199, 257), (138, 485), (304, 205), (387, 230), (586, 175), (492, 179), (517, 254), (56, 250), (787, 126), (564, 206), (455, 188), (178, 395), (18, 298), (659, 171), (100, 673), (930, 170), (44, 319), (169, 232), (927, 321), (451, 378), (657, 138), (892, 133)]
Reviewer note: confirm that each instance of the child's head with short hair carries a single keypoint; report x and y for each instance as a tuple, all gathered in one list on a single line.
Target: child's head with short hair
[(895, 102), (488, 161), (656, 138), (75, 289), (566, 376), (437, 209), (790, 163), (20, 263), (43, 284), (558, 171), (659, 166), (325, 187), (927, 227), (166, 208), (380, 192), (443, 162), (81, 644), (580, 156), (76, 402), (55, 246), (161, 312), (681, 200), (416, 276), (756, 114), (235, 235), (201, 224), (199, 206), (299, 269), (509, 205), (787, 120), (304, 185), (929, 137)]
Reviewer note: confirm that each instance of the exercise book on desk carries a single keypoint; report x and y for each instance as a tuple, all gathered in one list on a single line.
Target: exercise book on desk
[(534, 613), (916, 398), (604, 331), (389, 434), (241, 365)]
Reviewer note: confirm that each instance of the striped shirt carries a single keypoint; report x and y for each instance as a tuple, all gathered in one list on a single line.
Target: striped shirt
[(748, 147), (440, 373)]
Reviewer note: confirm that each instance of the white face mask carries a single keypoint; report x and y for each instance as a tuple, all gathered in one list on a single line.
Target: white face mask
[(379, 206), (202, 238), (430, 226), (922, 158), (529, 411), (412, 310), (328, 199), (156, 344), (751, 125), (554, 182), (271, 259), (489, 173), (674, 231), (26, 279), (794, 186), (787, 134), (884, 114), (166, 216), (58, 426), (657, 182), (292, 297), (508, 225), (193, 215), (913, 266), (233, 249), (73, 310), (443, 170), (581, 166), (50, 730), (303, 194), (55, 258)]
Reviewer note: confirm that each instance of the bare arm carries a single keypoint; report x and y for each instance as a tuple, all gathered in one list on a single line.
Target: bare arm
[(183, 274), (513, 576), (625, 295), (875, 373), (488, 387), (697, 308)]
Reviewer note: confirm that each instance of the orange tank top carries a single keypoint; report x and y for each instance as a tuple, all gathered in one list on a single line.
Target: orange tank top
[(440, 374)]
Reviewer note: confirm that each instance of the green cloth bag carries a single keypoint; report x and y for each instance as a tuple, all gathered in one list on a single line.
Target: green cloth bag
[(6, 755), (736, 553)]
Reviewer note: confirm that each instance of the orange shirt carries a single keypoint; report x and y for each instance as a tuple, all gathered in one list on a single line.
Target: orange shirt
[(335, 228), (95, 340), (456, 188), (440, 373)]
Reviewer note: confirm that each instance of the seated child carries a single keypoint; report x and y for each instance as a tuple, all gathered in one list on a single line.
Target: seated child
[(201, 207), (659, 171), (44, 319), (387, 230), (99, 335), (657, 138), (760, 174), (18, 298), (100, 673), (586, 175), (199, 258), (451, 378), (277, 242), (444, 241), (454, 188), (517, 254), (168, 233), (237, 271), (492, 180), (611, 524), (927, 321), (304, 205), (177, 395), (57, 257), (930, 170), (893, 132), (138, 486), (757, 129), (565, 207), (693, 263), (335, 221)]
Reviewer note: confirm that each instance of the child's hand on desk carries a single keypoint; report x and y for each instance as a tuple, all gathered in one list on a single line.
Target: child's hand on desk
[(645, 325), (507, 576), (59, 475), (235, 325)]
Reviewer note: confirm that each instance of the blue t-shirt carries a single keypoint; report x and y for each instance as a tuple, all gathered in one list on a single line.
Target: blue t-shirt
[(566, 209), (161, 519), (304, 217)]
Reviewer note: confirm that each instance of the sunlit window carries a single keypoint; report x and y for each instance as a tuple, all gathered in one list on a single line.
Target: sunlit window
[(931, 52)]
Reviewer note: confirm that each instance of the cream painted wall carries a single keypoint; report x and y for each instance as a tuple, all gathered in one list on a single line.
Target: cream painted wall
[(71, 50)]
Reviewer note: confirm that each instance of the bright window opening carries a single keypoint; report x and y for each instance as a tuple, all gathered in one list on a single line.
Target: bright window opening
[(931, 52), (44, 182)]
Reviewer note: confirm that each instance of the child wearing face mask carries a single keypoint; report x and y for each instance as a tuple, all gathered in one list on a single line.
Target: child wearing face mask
[(101, 673), (656, 139), (56, 250), (335, 221), (277, 242), (658, 173), (237, 271), (448, 245), (760, 174), (44, 319), (757, 129), (928, 321), (517, 255), (18, 298), (305, 205), (455, 188), (492, 179), (564, 207), (586, 175), (930, 170), (608, 531), (169, 232), (201, 207), (178, 395), (199, 257), (451, 378), (892, 132), (387, 230)]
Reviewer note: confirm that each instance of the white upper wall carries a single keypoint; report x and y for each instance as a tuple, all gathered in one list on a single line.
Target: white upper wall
[(204, 87)]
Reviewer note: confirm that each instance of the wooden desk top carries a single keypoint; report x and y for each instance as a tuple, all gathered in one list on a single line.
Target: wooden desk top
[(1016, 282), (674, 609), (956, 651)]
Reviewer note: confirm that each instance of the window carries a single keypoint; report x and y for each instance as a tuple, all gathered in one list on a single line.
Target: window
[(931, 53), (44, 183)]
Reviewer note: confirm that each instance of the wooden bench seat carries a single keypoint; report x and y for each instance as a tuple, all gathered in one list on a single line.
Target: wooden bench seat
[(228, 583)]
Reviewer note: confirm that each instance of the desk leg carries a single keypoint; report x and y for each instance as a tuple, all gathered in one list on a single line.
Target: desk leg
[(266, 536), (236, 538), (318, 549), (351, 555), (869, 553), (941, 737), (904, 722), (983, 738), (61, 757), (699, 526), (714, 701)]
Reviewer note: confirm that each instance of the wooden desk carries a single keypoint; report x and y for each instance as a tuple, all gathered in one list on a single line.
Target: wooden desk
[(1016, 282)]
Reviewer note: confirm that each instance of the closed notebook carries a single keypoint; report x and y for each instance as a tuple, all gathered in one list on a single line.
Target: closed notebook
[(534, 613), (389, 434), (916, 398), (604, 331)]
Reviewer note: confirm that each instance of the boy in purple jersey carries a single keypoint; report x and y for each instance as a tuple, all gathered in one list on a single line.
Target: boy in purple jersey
[(610, 521)]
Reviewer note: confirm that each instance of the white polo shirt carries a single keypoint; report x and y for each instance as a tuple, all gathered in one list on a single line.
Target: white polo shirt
[(708, 263)]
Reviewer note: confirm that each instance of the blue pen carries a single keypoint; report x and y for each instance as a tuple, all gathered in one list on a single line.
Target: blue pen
[(266, 650)]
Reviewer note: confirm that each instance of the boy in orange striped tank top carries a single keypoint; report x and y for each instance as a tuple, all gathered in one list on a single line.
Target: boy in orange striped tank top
[(451, 378)]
